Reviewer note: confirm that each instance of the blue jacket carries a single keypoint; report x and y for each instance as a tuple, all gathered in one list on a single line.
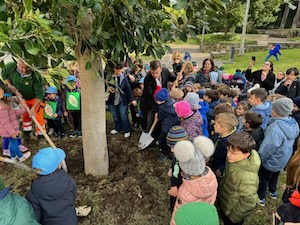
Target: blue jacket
[(126, 94), (210, 113), (59, 106), (265, 110), (53, 199), (203, 111), (168, 116), (277, 146)]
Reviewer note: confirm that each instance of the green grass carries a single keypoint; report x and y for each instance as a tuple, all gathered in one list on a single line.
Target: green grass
[(289, 58)]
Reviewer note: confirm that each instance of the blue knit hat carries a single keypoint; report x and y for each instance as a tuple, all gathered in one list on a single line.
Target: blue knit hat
[(162, 95), (297, 101), (51, 90), (176, 133), (47, 160)]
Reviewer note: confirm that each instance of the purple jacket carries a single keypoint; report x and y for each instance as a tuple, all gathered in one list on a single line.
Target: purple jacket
[(193, 125), (9, 124)]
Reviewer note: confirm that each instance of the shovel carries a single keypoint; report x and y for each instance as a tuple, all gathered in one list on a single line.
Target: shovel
[(17, 164), (146, 139)]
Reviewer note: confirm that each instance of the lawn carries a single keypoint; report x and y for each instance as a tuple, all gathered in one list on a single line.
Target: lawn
[(289, 58)]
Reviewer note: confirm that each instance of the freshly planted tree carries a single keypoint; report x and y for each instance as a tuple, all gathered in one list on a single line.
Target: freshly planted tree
[(95, 32)]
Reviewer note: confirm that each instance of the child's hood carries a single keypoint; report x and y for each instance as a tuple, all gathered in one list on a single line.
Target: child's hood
[(289, 127), (266, 107), (52, 186)]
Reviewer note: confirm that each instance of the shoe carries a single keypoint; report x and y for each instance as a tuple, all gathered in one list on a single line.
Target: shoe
[(79, 134), (73, 134), (113, 132), (262, 202), (25, 156), (23, 148), (14, 159), (6, 152), (164, 157), (51, 131), (127, 135), (273, 195)]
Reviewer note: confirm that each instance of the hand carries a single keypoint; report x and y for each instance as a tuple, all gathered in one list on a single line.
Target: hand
[(31, 112), (66, 113), (179, 76), (288, 83), (170, 173), (137, 115), (14, 136), (134, 103), (252, 62), (13, 88), (173, 191), (131, 78), (218, 173), (55, 115)]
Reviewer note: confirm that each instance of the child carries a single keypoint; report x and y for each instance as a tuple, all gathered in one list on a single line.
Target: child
[(119, 98), (199, 183), (168, 118), (260, 105), (176, 134), (53, 193), (225, 125), (252, 126), (6, 146), (55, 123), (9, 125), (280, 78), (190, 121), (277, 147), (238, 192), (176, 94), (15, 209), (240, 111), (212, 98)]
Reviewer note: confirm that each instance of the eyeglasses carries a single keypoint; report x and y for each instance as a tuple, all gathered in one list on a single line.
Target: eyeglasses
[(267, 64)]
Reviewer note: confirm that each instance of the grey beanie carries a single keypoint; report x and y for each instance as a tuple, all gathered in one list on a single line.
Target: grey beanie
[(193, 99), (283, 107)]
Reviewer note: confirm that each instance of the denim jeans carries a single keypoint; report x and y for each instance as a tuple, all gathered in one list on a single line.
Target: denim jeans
[(267, 179), (14, 148), (6, 142), (120, 115)]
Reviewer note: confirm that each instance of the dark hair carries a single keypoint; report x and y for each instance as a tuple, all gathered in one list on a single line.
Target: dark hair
[(243, 141), (212, 94), (223, 108), (260, 93), (225, 91), (118, 65), (293, 69), (212, 63), (271, 65), (254, 119), (155, 64), (238, 70)]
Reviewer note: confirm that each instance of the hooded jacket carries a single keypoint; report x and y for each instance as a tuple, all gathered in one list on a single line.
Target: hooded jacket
[(202, 189), (238, 192), (292, 91), (290, 212), (277, 146), (168, 116), (193, 125), (15, 210), (53, 199), (265, 110)]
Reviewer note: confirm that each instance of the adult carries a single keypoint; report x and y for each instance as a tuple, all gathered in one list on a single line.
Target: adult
[(19, 77), (188, 75), (203, 75), (265, 77), (280, 78), (156, 78), (291, 87)]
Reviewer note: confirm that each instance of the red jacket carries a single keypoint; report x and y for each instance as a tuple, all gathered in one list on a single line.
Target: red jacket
[(9, 124)]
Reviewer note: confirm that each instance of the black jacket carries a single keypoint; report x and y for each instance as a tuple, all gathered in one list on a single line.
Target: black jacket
[(291, 91), (53, 199), (168, 116), (267, 84), (258, 136)]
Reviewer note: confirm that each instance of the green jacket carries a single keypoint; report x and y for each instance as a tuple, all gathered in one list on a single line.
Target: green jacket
[(238, 192), (30, 87), (16, 210)]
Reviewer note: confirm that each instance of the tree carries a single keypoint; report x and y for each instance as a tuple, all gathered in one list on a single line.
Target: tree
[(97, 33), (296, 20)]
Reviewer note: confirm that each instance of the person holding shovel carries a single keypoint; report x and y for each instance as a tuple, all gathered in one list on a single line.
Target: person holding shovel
[(30, 84)]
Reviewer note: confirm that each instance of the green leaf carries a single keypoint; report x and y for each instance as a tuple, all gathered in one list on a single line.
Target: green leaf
[(105, 35), (2, 6), (180, 4), (31, 48), (69, 57), (88, 65), (27, 5)]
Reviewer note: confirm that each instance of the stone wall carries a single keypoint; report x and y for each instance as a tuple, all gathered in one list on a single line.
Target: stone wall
[(283, 33)]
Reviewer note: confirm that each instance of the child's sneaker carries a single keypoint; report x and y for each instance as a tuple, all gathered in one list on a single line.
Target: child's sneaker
[(262, 202), (79, 134), (73, 134), (6, 152), (273, 195), (51, 131), (114, 131), (127, 135), (25, 156), (14, 159), (23, 148)]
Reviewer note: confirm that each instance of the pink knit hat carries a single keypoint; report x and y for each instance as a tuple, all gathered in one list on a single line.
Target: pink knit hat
[(183, 109)]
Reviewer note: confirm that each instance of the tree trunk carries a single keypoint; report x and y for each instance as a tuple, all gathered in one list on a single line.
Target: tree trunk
[(93, 118), (296, 20), (285, 15)]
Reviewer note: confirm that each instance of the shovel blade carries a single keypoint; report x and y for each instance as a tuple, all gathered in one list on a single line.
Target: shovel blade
[(146, 143), (143, 137)]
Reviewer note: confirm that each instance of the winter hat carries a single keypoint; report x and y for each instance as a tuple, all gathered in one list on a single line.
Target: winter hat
[(51, 90), (183, 109), (297, 101), (205, 145), (71, 78), (2, 184), (176, 134), (193, 99), (162, 95), (283, 106), (47, 160), (191, 161), (197, 213), (188, 84)]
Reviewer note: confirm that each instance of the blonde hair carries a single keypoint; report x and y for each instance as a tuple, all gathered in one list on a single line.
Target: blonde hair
[(189, 66), (274, 97), (293, 170), (227, 120), (176, 94), (176, 55)]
